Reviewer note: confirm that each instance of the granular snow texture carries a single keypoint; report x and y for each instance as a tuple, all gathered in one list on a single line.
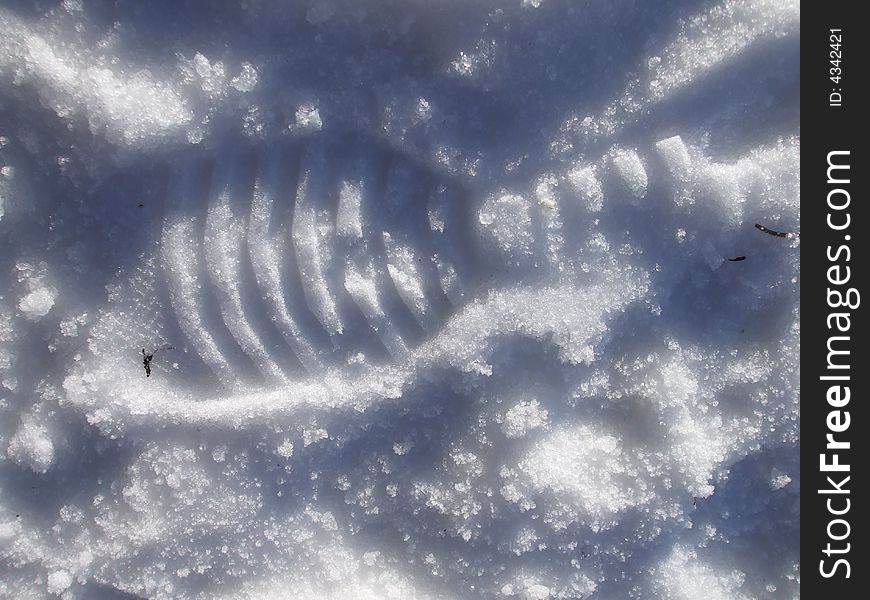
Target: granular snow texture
[(435, 299)]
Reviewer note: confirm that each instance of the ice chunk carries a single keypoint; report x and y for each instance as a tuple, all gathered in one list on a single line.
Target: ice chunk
[(247, 79), (31, 446), (506, 219), (39, 296), (59, 581), (38, 302), (778, 479), (285, 450), (212, 75), (307, 118), (587, 186), (629, 168), (676, 156), (523, 417), (311, 436)]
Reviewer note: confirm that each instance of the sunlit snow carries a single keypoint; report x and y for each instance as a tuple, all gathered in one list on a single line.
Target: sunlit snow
[(440, 298)]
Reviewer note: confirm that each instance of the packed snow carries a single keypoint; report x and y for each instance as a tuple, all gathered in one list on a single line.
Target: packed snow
[(456, 299)]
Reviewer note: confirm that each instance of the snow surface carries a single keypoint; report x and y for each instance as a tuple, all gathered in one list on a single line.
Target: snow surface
[(438, 295)]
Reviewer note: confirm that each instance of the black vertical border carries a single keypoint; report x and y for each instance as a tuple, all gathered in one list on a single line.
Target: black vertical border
[(826, 128)]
